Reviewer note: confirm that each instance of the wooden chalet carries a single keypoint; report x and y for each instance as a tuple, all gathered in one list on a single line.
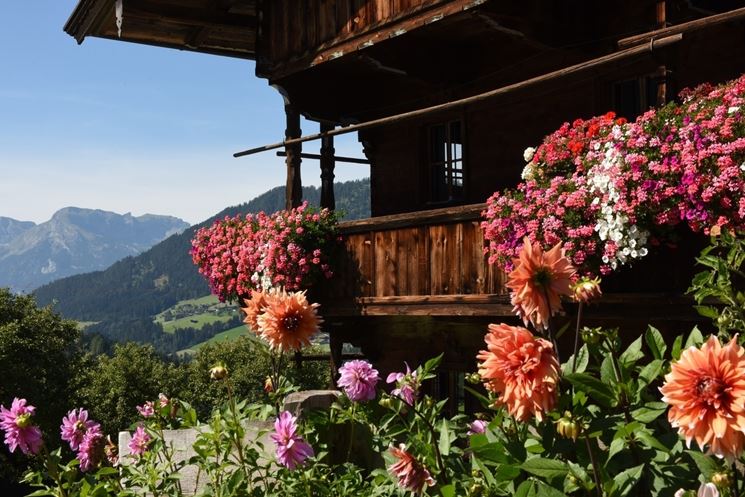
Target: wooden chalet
[(445, 95)]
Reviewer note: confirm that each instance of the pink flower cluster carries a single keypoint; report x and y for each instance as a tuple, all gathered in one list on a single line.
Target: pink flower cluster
[(85, 437), (287, 249), (609, 189)]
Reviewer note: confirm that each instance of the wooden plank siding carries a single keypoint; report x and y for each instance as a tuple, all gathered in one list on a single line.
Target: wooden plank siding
[(301, 27), (431, 258)]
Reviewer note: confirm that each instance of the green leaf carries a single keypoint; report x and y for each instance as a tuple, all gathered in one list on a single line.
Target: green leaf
[(545, 490), (583, 359), (626, 480), (705, 464), (655, 342), (595, 388), (694, 339), (632, 354), (533, 446), (448, 490), (526, 489), (707, 311), (607, 375), (648, 440), (677, 347), (616, 446), (444, 438), (650, 372), (649, 412), (546, 468)]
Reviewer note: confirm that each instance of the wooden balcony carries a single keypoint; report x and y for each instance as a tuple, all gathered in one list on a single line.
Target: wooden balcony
[(419, 263)]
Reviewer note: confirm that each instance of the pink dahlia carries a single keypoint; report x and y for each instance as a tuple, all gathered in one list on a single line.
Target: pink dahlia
[(358, 379), (91, 450), (407, 385), (411, 474), (140, 441), (478, 426), (292, 450), (147, 410), (18, 428), (74, 427)]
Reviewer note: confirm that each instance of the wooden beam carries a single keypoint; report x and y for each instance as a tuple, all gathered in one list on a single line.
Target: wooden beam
[(414, 219), (294, 185), (327, 169), (337, 158), (706, 22), (208, 18), (425, 14), (548, 77)]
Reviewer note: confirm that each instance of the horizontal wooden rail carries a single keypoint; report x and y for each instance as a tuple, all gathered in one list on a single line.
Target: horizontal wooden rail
[(444, 215), (679, 29), (582, 67)]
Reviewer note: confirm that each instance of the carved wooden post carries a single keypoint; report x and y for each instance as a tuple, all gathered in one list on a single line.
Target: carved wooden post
[(661, 73), (327, 169), (294, 185)]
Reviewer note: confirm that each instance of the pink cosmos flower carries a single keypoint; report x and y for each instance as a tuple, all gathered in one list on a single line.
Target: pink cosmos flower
[(407, 385), (147, 410), (140, 441), (358, 379), (292, 450), (91, 447), (74, 427), (19, 431)]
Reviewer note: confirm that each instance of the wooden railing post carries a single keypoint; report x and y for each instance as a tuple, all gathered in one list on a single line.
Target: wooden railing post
[(294, 185), (327, 168)]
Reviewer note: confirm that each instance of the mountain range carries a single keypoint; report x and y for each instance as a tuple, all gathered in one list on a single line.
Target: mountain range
[(73, 241), (124, 298)]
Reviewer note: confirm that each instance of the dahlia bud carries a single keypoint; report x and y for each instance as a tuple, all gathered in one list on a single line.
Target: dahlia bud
[(386, 402), (475, 490), (586, 290), (268, 385), (568, 427), (218, 372), (721, 480), (473, 378)]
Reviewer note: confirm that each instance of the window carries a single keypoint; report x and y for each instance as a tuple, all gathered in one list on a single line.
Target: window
[(634, 96), (446, 162)]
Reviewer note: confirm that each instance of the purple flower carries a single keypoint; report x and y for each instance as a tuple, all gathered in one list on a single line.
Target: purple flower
[(407, 385), (358, 379), (478, 426), (147, 410), (292, 450), (74, 427), (91, 447), (140, 440), (19, 431)]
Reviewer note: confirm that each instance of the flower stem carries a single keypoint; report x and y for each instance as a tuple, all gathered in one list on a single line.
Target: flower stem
[(438, 456), (351, 431), (595, 470), (576, 337), (549, 333), (735, 490)]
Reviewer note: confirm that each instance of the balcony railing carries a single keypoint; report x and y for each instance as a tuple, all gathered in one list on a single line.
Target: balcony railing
[(430, 262)]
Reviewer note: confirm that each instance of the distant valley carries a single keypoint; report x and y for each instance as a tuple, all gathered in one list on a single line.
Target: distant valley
[(75, 241)]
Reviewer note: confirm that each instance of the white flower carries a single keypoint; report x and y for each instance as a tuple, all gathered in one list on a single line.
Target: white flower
[(527, 172), (528, 154), (732, 110)]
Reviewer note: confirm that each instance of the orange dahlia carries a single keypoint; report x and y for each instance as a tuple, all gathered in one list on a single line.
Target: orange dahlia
[(288, 320), (254, 307), (522, 369), (706, 392), (538, 281)]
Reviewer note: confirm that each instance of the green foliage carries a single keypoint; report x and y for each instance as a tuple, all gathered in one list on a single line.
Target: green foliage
[(39, 360), (719, 290)]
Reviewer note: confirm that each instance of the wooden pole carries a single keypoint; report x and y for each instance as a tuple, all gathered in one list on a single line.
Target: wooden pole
[(327, 168), (548, 77), (294, 185), (337, 158), (661, 73)]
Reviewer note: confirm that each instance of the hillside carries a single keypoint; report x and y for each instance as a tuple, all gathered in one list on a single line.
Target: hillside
[(125, 298), (75, 241)]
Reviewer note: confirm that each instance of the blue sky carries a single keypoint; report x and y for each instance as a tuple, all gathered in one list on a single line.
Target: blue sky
[(131, 128)]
